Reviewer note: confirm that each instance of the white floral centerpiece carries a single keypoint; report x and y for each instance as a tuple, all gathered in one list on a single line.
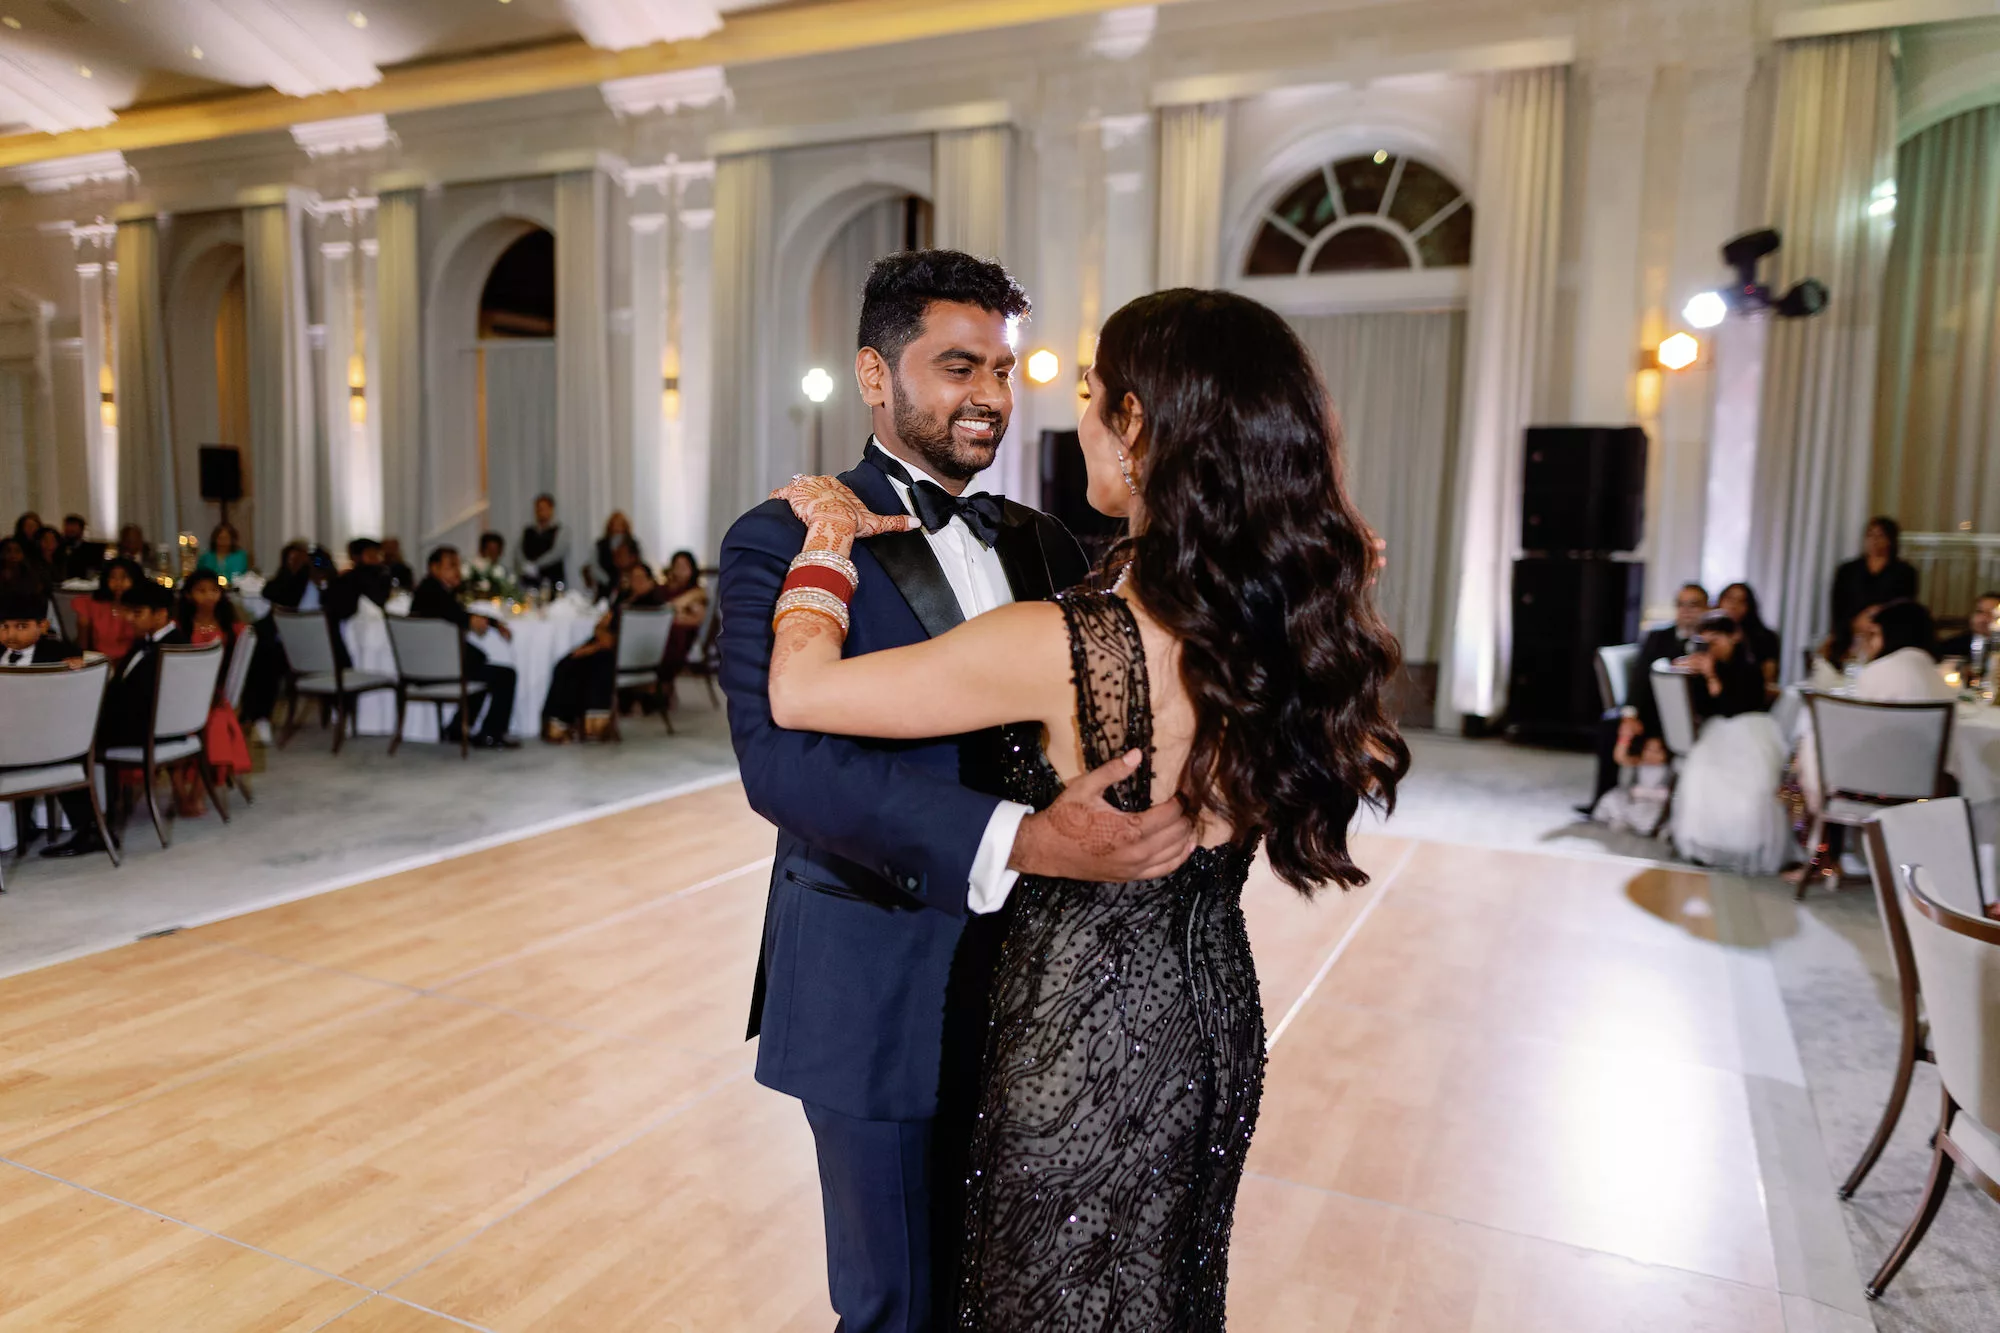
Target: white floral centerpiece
[(489, 582)]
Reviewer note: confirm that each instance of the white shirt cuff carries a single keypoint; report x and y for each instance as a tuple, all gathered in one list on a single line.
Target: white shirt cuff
[(992, 881)]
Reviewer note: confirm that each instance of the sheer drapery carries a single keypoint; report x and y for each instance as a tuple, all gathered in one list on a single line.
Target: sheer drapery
[(521, 430), (284, 469), (1189, 241), (971, 188), (397, 365), (1393, 378), (589, 485), (1937, 409), (875, 231), (146, 491), (1508, 319), (1833, 146), (740, 316)]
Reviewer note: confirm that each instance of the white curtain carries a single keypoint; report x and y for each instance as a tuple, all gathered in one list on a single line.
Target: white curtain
[(1393, 379), (875, 231), (146, 492), (588, 484), (1937, 416), (284, 469), (971, 188), (337, 426), (1834, 145), (396, 365), (740, 319), (1189, 242), (1508, 319), (521, 430)]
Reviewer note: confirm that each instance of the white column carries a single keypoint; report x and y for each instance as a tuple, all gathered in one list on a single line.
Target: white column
[(365, 481), (336, 266), (1607, 299), (1129, 209), (972, 189), (648, 349), (689, 468), (398, 354), (1189, 233), (284, 473), (100, 444), (145, 456), (585, 475), (742, 267)]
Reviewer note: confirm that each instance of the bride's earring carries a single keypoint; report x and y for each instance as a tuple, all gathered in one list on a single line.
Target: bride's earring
[(1125, 466)]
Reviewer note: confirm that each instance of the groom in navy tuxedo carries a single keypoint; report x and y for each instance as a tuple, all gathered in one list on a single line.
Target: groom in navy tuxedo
[(895, 858)]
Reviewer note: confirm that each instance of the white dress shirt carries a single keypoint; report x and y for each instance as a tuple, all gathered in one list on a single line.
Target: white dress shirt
[(979, 582), (17, 656)]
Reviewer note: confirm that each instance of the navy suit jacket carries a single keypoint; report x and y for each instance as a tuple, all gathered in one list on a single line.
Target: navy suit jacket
[(876, 839)]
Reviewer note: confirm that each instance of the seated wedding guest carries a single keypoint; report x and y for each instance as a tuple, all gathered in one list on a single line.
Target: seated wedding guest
[(1898, 668), (1877, 575), (26, 526), (1638, 803), (1663, 644), (127, 715), (18, 572), (583, 687), (225, 554), (84, 557), (611, 587), (1976, 645), (606, 569), (366, 578), (1726, 810), (436, 598), (681, 582), (50, 556), (544, 550), (400, 573), (303, 573), (491, 566), (24, 634), (132, 545), (99, 626), (206, 615), (1739, 602)]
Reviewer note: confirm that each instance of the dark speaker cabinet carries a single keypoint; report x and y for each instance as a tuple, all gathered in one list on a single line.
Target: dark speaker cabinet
[(1583, 489), (1564, 611)]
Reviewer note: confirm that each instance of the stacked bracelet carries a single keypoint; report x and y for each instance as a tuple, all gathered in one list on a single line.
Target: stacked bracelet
[(816, 601), (812, 557), (821, 582)]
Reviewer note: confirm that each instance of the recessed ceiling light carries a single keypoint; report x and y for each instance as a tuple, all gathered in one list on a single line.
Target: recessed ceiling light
[(83, 70), (357, 18), (195, 51), (12, 22)]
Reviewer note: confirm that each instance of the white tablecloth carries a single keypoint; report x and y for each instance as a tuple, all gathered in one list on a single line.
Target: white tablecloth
[(1975, 743), (542, 638)]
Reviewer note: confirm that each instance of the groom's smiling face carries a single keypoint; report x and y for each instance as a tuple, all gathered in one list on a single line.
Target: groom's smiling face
[(950, 395)]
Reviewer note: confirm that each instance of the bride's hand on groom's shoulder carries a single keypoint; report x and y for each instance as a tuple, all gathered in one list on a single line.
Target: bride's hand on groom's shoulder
[(1083, 836), (835, 515)]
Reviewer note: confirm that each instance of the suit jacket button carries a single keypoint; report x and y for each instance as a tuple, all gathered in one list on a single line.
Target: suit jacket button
[(910, 883)]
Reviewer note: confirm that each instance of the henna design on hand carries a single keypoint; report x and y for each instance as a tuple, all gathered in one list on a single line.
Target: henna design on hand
[(794, 633), (835, 516), (1100, 831)]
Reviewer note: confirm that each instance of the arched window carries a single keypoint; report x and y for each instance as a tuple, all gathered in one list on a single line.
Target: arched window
[(519, 298), (1369, 213)]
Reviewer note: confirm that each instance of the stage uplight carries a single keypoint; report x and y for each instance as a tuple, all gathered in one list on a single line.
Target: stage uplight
[(1705, 310)]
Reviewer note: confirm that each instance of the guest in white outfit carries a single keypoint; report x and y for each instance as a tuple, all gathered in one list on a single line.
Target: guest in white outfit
[(1899, 669), (1727, 812)]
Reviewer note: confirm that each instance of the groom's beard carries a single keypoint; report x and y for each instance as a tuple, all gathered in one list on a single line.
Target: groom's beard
[(930, 435)]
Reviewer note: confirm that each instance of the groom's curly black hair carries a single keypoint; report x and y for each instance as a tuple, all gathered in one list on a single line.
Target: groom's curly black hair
[(902, 286)]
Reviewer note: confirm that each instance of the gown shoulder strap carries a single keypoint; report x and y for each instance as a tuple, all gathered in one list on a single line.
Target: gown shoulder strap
[(1114, 710)]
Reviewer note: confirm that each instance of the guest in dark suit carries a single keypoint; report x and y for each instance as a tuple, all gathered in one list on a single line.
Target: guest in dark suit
[(366, 578), (400, 573), (1877, 576), (436, 598), (1976, 645), (127, 718), (1664, 644), (543, 551), (82, 558)]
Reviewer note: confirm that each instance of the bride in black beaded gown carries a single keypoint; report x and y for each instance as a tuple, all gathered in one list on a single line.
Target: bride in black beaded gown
[(1232, 653)]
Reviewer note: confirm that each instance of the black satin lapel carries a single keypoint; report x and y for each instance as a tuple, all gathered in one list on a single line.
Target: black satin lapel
[(907, 559), (1019, 546)]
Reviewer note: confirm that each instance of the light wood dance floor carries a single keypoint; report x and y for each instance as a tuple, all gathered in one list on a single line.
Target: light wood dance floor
[(510, 1092)]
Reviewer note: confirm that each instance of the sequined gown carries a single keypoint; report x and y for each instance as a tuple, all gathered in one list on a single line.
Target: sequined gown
[(1124, 1063)]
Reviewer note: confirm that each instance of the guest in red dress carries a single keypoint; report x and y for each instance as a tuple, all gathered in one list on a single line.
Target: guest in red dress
[(205, 616), (99, 626)]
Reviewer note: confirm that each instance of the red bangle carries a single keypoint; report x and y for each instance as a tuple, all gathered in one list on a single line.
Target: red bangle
[(818, 576)]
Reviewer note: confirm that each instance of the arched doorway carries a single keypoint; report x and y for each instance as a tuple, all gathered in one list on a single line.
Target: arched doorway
[(209, 377), (882, 227), (515, 371)]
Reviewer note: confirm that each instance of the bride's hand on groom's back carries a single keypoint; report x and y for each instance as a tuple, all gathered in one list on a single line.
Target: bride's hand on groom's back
[(1083, 836)]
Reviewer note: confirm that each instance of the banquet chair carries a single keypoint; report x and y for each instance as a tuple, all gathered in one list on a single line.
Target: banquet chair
[(314, 669), (706, 659), (234, 681), (430, 668), (1958, 971), (1676, 705), (1938, 836), (1871, 754), (642, 650), (1614, 673), (65, 614), (45, 748), (183, 690)]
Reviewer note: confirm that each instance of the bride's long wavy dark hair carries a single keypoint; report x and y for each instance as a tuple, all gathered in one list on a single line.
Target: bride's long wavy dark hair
[(1248, 551)]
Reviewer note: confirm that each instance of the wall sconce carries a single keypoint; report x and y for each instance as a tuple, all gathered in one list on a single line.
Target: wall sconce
[(107, 398), (1044, 366), (1677, 352), (357, 390), (670, 397)]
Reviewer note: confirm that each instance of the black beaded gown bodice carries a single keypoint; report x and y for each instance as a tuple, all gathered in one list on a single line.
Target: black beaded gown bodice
[(1124, 1063)]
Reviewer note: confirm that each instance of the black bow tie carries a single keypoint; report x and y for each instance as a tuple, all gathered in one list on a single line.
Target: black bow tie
[(935, 506)]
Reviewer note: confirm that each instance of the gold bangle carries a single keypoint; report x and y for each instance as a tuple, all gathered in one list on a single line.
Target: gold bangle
[(828, 560), (817, 600)]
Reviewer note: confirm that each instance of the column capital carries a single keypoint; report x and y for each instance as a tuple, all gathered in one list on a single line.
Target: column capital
[(370, 248), (335, 249), (697, 219), (648, 224), (1116, 131)]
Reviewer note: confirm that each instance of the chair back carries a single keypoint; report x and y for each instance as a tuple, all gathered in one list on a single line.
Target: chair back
[(426, 651), (1871, 748), (51, 711), (65, 614), (1670, 692), (237, 678), (1936, 835), (1614, 674), (307, 639), (1958, 969), (642, 636), (186, 688)]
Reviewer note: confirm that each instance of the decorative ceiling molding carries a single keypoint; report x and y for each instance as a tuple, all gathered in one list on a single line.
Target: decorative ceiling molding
[(46, 95), (1528, 53), (66, 173), (296, 50), (751, 37), (620, 25), (348, 134), (1124, 33), (1828, 20), (928, 120), (668, 93)]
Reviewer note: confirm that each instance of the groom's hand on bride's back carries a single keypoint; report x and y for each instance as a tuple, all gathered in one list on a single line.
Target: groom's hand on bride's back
[(1083, 836)]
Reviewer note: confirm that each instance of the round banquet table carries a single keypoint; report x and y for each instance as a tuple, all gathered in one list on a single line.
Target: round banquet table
[(1975, 743), (543, 636)]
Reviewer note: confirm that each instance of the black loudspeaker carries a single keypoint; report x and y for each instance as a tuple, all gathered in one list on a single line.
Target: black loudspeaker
[(1066, 493), (221, 473), (1564, 611), (1584, 489)]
